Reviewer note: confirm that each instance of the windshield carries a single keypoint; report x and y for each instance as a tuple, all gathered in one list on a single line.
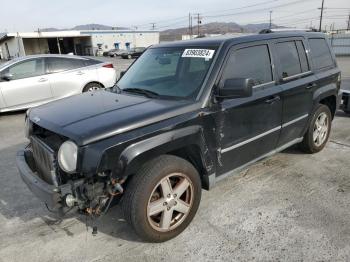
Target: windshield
[(169, 72)]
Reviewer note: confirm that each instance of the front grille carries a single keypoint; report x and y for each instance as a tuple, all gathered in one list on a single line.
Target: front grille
[(44, 158)]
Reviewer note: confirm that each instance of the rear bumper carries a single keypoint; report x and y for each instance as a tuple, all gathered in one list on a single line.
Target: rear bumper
[(47, 193)]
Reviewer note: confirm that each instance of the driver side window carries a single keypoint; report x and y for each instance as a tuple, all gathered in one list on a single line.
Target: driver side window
[(26, 69), (250, 62)]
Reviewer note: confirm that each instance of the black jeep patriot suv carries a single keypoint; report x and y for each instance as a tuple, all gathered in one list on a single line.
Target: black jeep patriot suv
[(183, 116)]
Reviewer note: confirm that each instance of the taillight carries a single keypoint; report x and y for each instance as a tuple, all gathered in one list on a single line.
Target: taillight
[(108, 66)]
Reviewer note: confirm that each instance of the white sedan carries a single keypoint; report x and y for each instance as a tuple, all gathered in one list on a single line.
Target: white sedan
[(33, 80)]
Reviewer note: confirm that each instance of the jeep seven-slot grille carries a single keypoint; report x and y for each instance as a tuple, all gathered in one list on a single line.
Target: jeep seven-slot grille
[(44, 158)]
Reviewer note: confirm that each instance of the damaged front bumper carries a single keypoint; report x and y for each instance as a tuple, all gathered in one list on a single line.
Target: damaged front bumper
[(92, 197), (53, 196)]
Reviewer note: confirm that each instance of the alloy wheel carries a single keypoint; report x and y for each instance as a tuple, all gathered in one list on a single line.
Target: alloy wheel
[(170, 202), (320, 132)]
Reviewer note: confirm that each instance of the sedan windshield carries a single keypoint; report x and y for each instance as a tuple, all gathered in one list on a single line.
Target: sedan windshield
[(169, 72)]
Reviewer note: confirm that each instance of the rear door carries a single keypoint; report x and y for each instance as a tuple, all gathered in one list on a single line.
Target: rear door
[(297, 82), (68, 76), (249, 127), (29, 85)]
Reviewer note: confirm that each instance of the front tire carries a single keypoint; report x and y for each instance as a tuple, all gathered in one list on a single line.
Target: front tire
[(318, 131), (162, 198)]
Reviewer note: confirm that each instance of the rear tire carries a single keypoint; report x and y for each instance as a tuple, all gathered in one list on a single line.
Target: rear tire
[(92, 87), (162, 198), (318, 131)]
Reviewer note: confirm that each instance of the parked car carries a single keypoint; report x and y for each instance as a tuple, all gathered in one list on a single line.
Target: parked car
[(345, 105), (133, 53), (33, 80), (114, 52), (184, 116)]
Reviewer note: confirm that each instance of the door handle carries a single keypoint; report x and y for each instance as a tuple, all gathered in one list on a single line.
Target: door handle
[(311, 85), (273, 100), (42, 80), (80, 73)]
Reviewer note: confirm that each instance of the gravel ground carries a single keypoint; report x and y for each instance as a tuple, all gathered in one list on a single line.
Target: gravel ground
[(290, 207)]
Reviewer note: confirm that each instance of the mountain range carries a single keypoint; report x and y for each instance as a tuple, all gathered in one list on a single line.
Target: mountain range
[(210, 28)]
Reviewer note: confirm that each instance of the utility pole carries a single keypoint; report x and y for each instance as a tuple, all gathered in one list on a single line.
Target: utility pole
[(348, 23), (199, 21), (153, 26), (189, 25), (270, 20), (322, 7)]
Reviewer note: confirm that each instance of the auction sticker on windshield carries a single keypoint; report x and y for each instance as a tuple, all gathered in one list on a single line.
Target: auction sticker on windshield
[(201, 53)]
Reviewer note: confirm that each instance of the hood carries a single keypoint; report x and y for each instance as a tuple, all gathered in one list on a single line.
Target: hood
[(92, 116)]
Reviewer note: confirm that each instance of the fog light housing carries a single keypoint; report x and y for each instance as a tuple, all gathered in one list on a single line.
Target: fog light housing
[(70, 200)]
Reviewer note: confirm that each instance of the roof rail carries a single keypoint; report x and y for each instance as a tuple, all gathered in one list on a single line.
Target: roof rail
[(280, 30)]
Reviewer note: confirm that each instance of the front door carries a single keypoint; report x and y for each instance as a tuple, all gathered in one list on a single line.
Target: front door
[(249, 127), (28, 85)]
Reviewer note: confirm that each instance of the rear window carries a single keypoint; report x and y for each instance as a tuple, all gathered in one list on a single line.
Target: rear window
[(320, 53), (58, 64), (89, 62)]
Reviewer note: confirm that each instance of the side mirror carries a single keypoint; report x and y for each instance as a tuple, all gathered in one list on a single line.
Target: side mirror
[(7, 77), (236, 88)]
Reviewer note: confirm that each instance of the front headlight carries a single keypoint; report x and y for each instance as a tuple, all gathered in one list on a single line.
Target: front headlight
[(67, 156), (28, 127)]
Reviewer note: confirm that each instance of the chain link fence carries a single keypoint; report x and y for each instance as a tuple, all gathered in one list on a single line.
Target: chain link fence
[(340, 41)]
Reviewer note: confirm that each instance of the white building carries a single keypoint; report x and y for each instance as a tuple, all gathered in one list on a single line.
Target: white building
[(86, 42)]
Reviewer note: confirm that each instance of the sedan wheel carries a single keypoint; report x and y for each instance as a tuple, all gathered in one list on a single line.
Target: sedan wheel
[(92, 87)]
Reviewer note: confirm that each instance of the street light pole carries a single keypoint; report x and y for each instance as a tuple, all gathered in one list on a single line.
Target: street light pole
[(320, 28), (270, 20)]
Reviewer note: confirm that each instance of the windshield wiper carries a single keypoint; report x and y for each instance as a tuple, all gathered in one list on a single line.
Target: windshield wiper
[(145, 92)]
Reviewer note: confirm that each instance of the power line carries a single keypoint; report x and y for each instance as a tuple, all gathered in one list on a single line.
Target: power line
[(261, 9)]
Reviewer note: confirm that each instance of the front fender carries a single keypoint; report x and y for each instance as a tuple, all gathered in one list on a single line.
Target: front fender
[(135, 155)]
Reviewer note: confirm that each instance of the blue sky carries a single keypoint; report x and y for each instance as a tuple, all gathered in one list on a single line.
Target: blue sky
[(23, 15)]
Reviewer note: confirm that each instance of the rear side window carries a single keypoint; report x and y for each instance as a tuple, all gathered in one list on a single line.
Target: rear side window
[(320, 53), (250, 62), (57, 64), (289, 59)]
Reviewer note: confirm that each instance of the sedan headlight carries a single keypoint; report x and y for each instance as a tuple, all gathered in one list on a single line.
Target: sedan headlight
[(28, 127), (67, 156)]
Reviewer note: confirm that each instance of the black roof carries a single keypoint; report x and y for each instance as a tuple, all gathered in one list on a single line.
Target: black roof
[(219, 40)]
